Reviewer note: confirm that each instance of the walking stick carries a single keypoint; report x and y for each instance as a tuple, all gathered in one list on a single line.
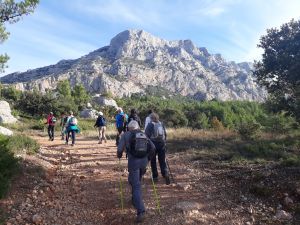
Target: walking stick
[(169, 169), (121, 188), (155, 194)]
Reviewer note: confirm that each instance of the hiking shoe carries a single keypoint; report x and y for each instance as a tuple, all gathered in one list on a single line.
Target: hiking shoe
[(167, 180), (140, 218), (100, 142), (72, 144)]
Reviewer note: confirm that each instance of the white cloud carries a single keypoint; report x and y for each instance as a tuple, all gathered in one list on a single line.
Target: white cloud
[(117, 11)]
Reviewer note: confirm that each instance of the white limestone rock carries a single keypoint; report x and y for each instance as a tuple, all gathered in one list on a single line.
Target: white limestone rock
[(5, 131), (5, 113), (136, 59), (89, 114)]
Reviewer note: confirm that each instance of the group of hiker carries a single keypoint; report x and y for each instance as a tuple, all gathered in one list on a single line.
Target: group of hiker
[(68, 124), (140, 146)]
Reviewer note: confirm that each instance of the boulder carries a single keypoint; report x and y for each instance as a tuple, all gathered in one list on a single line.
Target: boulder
[(103, 101), (5, 113), (89, 114), (5, 131)]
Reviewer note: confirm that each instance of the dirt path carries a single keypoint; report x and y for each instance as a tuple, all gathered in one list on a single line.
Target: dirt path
[(81, 186)]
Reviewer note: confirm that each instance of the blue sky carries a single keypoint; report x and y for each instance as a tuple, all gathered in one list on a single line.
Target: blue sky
[(68, 29)]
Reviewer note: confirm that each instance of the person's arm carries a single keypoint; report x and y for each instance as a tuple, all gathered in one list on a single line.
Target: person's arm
[(148, 130), (151, 149), (147, 120), (121, 147), (165, 131), (139, 122)]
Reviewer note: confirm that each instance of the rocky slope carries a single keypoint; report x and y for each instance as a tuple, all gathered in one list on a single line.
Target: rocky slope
[(136, 60)]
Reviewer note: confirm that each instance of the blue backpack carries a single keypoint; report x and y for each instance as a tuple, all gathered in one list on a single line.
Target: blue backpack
[(101, 122)]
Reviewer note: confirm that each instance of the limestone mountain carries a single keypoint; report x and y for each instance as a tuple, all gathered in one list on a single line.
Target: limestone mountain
[(136, 61)]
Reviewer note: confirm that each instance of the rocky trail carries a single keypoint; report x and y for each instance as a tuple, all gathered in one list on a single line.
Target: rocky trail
[(81, 185)]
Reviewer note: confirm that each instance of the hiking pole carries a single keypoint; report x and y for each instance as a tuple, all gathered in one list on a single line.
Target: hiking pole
[(171, 175), (169, 169), (121, 188), (155, 194)]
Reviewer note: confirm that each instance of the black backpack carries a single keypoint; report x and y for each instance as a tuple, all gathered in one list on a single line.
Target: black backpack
[(138, 144)]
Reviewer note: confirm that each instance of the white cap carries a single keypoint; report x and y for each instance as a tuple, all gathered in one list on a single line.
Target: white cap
[(119, 109), (133, 125), (100, 113)]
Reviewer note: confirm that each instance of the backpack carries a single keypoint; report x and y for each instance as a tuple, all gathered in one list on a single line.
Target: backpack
[(53, 119), (159, 133), (73, 121), (65, 120), (122, 120), (138, 144), (101, 121)]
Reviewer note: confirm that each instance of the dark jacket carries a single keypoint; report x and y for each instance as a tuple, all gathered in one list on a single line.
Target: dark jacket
[(136, 118), (125, 144)]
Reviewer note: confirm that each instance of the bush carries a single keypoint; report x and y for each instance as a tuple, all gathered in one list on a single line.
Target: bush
[(19, 143), (216, 124), (8, 165), (279, 123), (249, 130)]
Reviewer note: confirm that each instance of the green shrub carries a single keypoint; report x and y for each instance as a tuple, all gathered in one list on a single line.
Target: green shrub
[(279, 123), (19, 143), (291, 161), (249, 130), (8, 165)]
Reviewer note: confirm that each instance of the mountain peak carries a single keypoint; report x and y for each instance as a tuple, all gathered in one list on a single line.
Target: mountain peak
[(136, 59)]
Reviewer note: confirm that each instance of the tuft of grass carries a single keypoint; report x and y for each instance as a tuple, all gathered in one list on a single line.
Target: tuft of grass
[(22, 144), (291, 161)]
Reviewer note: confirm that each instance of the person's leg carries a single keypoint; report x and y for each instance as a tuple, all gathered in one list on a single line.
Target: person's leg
[(100, 135), (162, 160), (62, 133), (154, 167), (67, 136), (49, 132), (73, 136), (134, 180), (120, 130), (103, 134), (52, 132)]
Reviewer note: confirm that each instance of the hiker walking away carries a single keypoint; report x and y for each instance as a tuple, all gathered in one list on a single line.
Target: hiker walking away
[(63, 121), (134, 116), (157, 133), (148, 119), (121, 122), (101, 125), (71, 128), (51, 123), (138, 148)]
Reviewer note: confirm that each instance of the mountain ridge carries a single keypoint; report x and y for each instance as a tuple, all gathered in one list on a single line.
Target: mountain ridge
[(136, 59)]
